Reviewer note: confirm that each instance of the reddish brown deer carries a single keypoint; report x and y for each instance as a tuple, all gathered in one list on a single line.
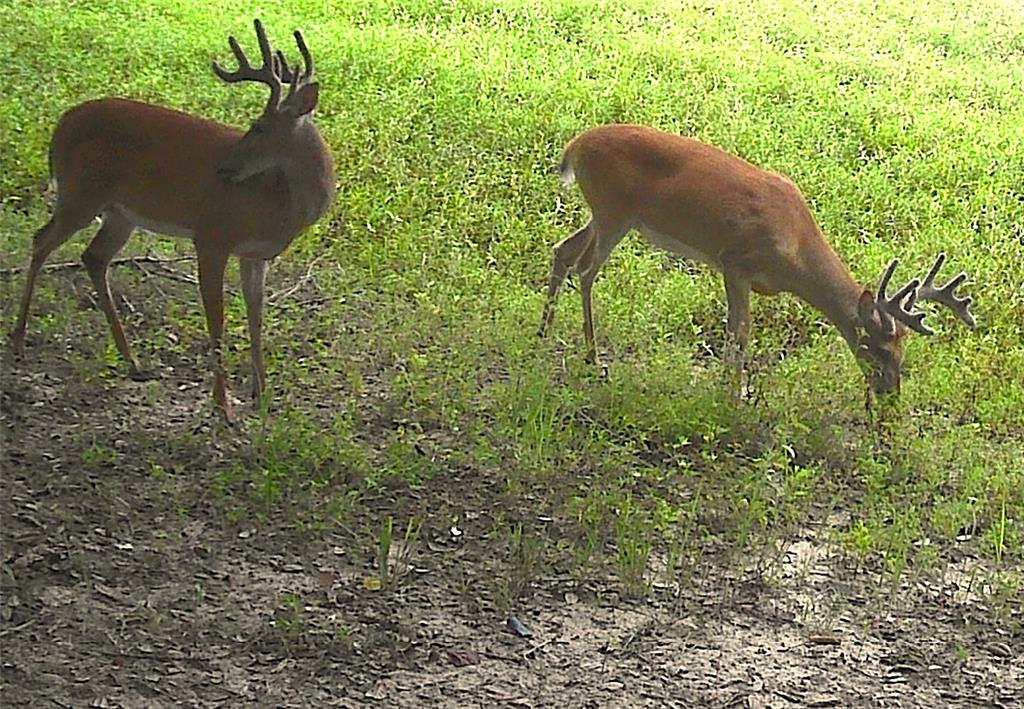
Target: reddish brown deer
[(138, 165), (750, 224)]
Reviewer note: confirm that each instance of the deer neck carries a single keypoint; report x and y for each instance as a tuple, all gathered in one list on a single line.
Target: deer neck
[(830, 288), (309, 175)]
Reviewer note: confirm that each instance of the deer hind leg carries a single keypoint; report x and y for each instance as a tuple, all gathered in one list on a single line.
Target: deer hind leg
[(253, 274), (62, 226), (605, 238), (565, 255), (109, 240)]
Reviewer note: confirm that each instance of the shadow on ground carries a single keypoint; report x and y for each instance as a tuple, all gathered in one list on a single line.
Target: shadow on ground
[(130, 583)]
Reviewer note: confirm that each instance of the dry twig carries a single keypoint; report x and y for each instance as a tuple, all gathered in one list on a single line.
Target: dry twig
[(276, 295), (139, 262)]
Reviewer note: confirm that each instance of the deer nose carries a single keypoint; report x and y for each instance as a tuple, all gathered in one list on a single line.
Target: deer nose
[(886, 385)]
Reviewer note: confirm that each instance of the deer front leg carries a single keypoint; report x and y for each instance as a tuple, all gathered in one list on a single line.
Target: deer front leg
[(737, 293), (212, 262), (253, 273)]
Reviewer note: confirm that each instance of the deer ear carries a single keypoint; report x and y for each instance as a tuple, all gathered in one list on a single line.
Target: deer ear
[(866, 310), (305, 99), (877, 324)]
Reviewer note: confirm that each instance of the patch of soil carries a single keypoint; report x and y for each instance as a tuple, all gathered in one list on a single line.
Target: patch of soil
[(128, 585)]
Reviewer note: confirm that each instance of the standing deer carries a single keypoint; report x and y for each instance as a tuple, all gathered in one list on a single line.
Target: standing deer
[(248, 195), (750, 224)]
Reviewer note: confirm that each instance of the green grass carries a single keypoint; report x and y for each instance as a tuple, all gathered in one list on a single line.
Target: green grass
[(900, 121)]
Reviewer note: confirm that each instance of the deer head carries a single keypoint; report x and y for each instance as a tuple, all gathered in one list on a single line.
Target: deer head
[(276, 134), (887, 320)]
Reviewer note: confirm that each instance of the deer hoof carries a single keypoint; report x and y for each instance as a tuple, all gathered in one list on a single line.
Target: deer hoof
[(137, 374)]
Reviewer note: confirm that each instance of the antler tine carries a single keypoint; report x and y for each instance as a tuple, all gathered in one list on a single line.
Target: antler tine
[(266, 74), (307, 58), (934, 270), (289, 74), (947, 293), (883, 283), (261, 36), (895, 307), (244, 68)]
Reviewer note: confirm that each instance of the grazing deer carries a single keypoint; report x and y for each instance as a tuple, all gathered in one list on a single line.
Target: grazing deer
[(753, 225), (248, 195)]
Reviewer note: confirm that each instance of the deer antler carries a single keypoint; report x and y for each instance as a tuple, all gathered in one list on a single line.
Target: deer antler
[(290, 73), (268, 73), (946, 294), (890, 308)]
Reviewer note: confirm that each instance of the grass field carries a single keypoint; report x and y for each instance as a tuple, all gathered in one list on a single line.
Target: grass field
[(407, 356)]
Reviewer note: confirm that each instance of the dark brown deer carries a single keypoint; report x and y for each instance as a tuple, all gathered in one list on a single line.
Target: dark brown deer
[(233, 194)]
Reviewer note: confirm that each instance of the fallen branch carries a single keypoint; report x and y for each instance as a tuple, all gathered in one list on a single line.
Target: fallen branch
[(299, 283), (539, 646), (16, 628), (161, 269), (134, 261), (158, 265)]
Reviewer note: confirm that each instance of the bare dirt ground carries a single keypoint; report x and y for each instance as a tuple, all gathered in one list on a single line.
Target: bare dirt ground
[(122, 587)]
